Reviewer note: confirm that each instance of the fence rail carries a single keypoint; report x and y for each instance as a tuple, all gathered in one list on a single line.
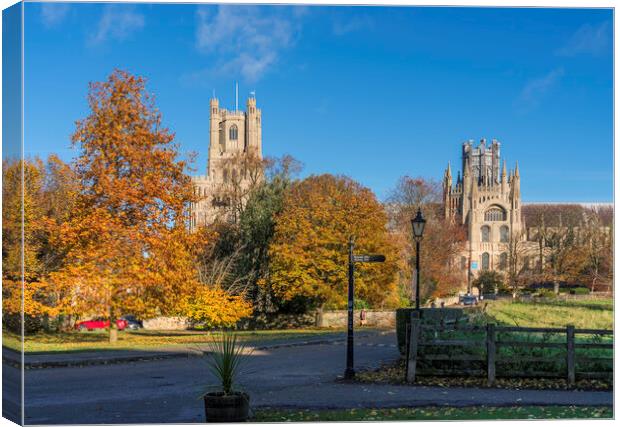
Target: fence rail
[(491, 339)]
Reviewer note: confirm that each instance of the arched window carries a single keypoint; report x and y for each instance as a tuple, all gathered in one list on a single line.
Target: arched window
[(503, 234), (233, 133), (503, 261), (225, 175), (485, 261), (495, 213), (485, 233)]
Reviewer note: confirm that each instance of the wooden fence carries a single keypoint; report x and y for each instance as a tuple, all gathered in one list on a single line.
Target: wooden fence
[(480, 355)]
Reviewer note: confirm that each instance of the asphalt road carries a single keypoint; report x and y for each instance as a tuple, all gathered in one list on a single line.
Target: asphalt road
[(169, 390), (304, 376)]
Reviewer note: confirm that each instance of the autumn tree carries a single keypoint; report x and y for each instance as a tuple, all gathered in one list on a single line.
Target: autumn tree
[(244, 173), (125, 244), (597, 243), (442, 243), (47, 194), (517, 268), (237, 255), (309, 251)]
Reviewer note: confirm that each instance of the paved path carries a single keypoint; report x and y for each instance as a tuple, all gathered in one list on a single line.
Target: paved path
[(302, 376)]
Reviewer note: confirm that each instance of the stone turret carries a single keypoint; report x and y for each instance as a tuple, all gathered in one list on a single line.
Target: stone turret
[(487, 201), (233, 135)]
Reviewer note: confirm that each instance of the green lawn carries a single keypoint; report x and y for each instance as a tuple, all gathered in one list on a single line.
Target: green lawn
[(511, 358), (584, 313), (435, 413), (143, 339)]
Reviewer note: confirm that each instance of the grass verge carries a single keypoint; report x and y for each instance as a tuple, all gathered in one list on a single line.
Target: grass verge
[(436, 413), (143, 339)]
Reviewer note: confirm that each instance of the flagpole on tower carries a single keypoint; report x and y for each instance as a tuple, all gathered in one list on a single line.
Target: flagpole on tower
[(236, 96)]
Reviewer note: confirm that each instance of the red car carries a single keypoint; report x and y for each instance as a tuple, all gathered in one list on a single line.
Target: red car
[(99, 323)]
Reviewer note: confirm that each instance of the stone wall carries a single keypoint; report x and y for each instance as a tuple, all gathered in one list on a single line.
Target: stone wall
[(338, 319), (166, 323), (331, 319)]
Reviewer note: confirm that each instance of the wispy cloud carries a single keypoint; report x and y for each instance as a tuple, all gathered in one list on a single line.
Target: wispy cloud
[(588, 39), (53, 14), (356, 23), (117, 22), (535, 89), (245, 39)]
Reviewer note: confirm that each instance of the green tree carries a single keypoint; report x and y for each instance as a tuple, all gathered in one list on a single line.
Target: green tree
[(257, 228)]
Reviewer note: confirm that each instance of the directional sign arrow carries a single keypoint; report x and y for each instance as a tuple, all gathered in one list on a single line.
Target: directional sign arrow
[(368, 258)]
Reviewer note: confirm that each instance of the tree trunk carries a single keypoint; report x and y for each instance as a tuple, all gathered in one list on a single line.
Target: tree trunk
[(319, 317), (113, 327)]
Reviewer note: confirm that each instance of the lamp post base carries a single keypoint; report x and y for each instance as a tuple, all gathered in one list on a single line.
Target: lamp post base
[(349, 374)]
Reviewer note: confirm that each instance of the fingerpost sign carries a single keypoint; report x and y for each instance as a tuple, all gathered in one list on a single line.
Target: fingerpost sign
[(349, 372)]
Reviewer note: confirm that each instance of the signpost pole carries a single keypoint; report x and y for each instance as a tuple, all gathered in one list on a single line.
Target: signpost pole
[(349, 372)]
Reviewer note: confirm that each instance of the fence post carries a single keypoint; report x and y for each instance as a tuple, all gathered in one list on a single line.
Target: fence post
[(490, 354), (407, 339), (413, 349), (570, 354)]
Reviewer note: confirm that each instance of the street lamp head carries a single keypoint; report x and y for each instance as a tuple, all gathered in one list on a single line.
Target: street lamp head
[(418, 224)]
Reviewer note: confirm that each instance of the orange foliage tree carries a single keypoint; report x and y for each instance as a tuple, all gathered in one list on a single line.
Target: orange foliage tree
[(46, 194), (309, 250), (127, 249)]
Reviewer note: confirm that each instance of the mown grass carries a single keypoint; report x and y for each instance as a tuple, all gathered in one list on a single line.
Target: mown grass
[(583, 313), (436, 413), (142, 339), (518, 359)]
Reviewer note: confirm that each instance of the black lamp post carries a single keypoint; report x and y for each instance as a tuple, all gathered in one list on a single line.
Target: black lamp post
[(417, 224)]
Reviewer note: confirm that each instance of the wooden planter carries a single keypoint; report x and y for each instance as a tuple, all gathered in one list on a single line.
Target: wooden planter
[(221, 408)]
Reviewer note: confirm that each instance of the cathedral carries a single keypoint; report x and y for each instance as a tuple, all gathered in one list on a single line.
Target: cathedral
[(235, 154), (488, 203)]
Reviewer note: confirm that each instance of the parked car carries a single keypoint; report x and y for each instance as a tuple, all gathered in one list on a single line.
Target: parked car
[(132, 322), (469, 300), (99, 323)]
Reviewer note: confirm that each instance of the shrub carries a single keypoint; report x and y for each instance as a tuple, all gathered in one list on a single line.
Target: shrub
[(488, 281), (546, 294), (580, 291)]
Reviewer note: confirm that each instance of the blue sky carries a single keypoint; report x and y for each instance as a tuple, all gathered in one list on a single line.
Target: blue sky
[(370, 92)]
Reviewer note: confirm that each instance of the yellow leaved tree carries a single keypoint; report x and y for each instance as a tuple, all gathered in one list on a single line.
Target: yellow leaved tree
[(309, 251)]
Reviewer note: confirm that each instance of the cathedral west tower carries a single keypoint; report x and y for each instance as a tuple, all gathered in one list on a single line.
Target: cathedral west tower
[(234, 139)]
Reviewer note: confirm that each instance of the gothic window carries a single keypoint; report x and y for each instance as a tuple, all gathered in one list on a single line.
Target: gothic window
[(503, 261), (503, 234), (233, 133), (225, 175), (485, 232), (495, 213), (485, 261)]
